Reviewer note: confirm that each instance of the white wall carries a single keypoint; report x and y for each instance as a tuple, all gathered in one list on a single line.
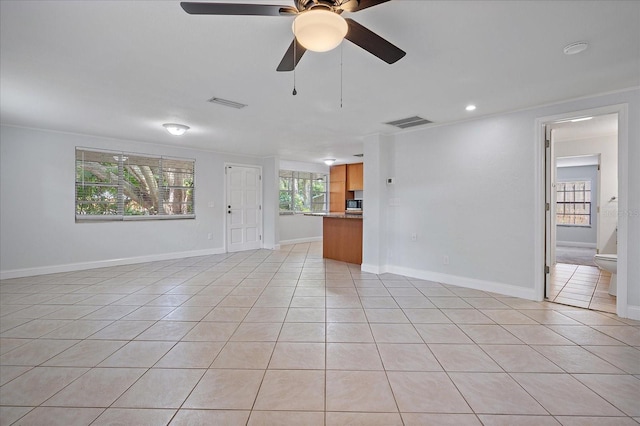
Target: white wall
[(37, 208), (607, 147), (298, 228), (470, 191), (270, 202)]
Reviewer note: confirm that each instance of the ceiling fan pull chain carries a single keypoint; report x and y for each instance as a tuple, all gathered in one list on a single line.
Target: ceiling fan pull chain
[(341, 73), (295, 43)]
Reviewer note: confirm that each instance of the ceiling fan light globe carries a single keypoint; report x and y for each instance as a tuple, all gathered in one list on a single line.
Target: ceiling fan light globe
[(319, 30)]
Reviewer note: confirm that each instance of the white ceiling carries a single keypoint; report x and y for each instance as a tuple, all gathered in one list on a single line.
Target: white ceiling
[(122, 68)]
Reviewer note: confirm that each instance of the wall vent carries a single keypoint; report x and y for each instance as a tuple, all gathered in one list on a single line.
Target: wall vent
[(358, 155), (409, 122), (226, 102)]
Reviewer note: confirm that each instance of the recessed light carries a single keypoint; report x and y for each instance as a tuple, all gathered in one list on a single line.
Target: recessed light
[(176, 129), (329, 161), (470, 108), (573, 48)]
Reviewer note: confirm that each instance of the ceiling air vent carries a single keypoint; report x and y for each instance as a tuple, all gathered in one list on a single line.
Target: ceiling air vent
[(409, 122), (226, 102)]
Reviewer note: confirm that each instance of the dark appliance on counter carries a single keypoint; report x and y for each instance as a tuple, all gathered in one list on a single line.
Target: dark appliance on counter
[(354, 206)]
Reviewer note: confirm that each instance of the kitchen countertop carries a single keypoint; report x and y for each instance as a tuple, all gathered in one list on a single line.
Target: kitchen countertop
[(337, 215)]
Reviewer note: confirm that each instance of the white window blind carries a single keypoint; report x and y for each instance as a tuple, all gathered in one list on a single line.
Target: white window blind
[(124, 186), (302, 192), (573, 203)]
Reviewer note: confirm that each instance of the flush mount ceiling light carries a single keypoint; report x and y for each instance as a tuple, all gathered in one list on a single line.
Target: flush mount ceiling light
[(329, 161), (573, 48), (319, 29), (176, 129), (470, 108)]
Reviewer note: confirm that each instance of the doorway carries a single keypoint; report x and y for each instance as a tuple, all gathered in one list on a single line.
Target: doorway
[(581, 201), (244, 207)]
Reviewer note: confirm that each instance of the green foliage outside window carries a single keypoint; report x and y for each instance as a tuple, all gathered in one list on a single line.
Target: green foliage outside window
[(303, 192), (113, 185)]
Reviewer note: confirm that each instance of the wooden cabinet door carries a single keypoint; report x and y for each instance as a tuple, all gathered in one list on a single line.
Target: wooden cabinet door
[(337, 188), (355, 178)]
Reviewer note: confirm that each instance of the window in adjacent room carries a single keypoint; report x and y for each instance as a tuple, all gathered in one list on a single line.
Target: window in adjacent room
[(573, 203), (122, 186), (302, 192)]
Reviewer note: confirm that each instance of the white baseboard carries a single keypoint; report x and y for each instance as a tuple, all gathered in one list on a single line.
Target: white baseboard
[(633, 312), (575, 244), (373, 269), (300, 241), (71, 267), (490, 286)]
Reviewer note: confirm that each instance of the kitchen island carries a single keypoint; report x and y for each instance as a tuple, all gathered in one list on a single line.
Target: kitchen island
[(342, 237)]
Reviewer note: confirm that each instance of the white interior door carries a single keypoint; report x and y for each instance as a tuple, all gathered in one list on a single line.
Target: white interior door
[(244, 210), (550, 198), (553, 197)]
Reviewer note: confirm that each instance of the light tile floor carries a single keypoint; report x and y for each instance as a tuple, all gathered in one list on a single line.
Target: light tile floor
[(581, 286), (285, 337)]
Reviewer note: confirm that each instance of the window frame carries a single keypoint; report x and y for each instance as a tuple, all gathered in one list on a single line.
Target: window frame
[(178, 168), (566, 203), (295, 175)]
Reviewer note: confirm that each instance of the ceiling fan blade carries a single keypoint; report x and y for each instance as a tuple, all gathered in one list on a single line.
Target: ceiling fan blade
[(287, 63), (354, 6), (234, 9), (373, 43)]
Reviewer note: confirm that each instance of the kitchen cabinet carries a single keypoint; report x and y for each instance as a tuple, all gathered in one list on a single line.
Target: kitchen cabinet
[(343, 181), (342, 238), (337, 188), (355, 178)]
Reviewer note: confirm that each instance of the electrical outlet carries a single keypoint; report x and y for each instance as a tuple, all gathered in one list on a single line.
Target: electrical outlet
[(210, 236), (414, 237), (445, 260)]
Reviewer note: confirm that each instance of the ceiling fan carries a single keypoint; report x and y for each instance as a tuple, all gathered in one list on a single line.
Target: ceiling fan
[(318, 26)]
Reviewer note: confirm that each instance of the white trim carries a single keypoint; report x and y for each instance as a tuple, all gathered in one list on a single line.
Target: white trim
[(575, 244), (633, 312), (274, 247), (490, 286), (623, 197), (300, 241), (72, 267), (373, 269)]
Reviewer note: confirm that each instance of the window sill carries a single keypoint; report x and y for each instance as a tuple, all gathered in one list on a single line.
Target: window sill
[(117, 218), (565, 225)]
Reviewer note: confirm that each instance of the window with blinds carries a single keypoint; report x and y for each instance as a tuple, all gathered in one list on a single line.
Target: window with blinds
[(123, 186), (302, 192), (573, 203)]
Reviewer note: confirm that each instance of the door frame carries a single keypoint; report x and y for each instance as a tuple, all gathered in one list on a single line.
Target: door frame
[(225, 195), (541, 238)]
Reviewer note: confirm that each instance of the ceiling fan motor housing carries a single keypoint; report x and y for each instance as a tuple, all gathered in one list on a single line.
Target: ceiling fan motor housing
[(303, 5)]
